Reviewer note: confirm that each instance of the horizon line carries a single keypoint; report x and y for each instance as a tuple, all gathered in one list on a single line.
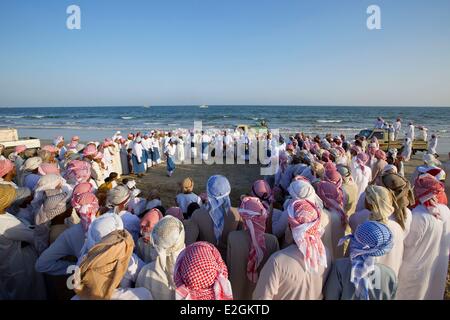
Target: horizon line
[(231, 105)]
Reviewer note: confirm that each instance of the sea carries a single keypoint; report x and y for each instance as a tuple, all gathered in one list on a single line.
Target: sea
[(94, 123)]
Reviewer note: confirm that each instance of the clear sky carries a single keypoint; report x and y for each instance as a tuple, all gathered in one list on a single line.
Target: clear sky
[(163, 52)]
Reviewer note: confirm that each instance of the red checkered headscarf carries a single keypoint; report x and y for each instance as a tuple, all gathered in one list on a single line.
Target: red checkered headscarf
[(254, 215), (304, 220), (427, 191), (261, 189), (332, 175), (333, 198), (201, 274), (148, 222)]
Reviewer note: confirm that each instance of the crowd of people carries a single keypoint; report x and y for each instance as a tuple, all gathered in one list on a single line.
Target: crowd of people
[(337, 220)]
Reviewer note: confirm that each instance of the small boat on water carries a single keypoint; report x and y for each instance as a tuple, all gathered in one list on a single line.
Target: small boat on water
[(203, 106), (146, 106)]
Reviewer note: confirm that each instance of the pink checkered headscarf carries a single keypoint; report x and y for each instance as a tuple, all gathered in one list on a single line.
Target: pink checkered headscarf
[(332, 175), (78, 171), (254, 215), (380, 154), (361, 160), (201, 274), (304, 221), (333, 198), (261, 189), (48, 168), (6, 166), (148, 222), (86, 205), (90, 150)]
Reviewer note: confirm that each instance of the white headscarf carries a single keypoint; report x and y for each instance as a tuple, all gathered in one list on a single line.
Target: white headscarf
[(300, 189), (99, 228), (168, 240)]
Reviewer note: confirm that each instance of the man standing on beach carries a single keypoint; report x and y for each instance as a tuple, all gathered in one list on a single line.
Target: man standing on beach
[(433, 145), (410, 132), (397, 128)]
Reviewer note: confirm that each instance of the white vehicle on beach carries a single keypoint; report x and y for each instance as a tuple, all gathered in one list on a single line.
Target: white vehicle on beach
[(10, 139)]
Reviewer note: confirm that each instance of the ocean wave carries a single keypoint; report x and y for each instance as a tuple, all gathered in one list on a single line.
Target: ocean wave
[(329, 121), (127, 118), (12, 117)]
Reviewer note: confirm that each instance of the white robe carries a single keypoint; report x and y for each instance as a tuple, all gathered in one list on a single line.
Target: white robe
[(407, 150), (424, 269), (18, 278), (433, 145), (410, 132), (361, 178)]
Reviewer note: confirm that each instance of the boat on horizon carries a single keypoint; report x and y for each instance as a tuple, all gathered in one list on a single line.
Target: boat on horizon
[(203, 106)]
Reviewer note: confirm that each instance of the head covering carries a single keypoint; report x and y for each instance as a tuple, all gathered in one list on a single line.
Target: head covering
[(262, 190), (356, 149), (380, 199), (31, 164), (426, 191), (389, 169), (58, 140), (75, 138), (99, 228), (175, 212), (86, 205), (104, 266), (83, 187), (344, 171), (318, 168), (300, 189), (187, 185), (402, 195), (254, 215), (333, 176), (118, 195), (371, 239), (98, 156), (304, 221), (201, 274), (361, 160), (333, 198), (148, 222), (218, 189), (21, 194), (380, 154), (90, 150), (7, 196), (48, 168), (78, 171), (55, 203), (6, 166), (20, 149), (49, 148), (49, 181), (168, 240)]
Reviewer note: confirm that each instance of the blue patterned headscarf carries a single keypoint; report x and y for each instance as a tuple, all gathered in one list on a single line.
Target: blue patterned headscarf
[(371, 239), (218, 189)]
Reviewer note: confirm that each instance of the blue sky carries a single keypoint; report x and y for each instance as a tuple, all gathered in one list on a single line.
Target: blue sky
[(164, 52)]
